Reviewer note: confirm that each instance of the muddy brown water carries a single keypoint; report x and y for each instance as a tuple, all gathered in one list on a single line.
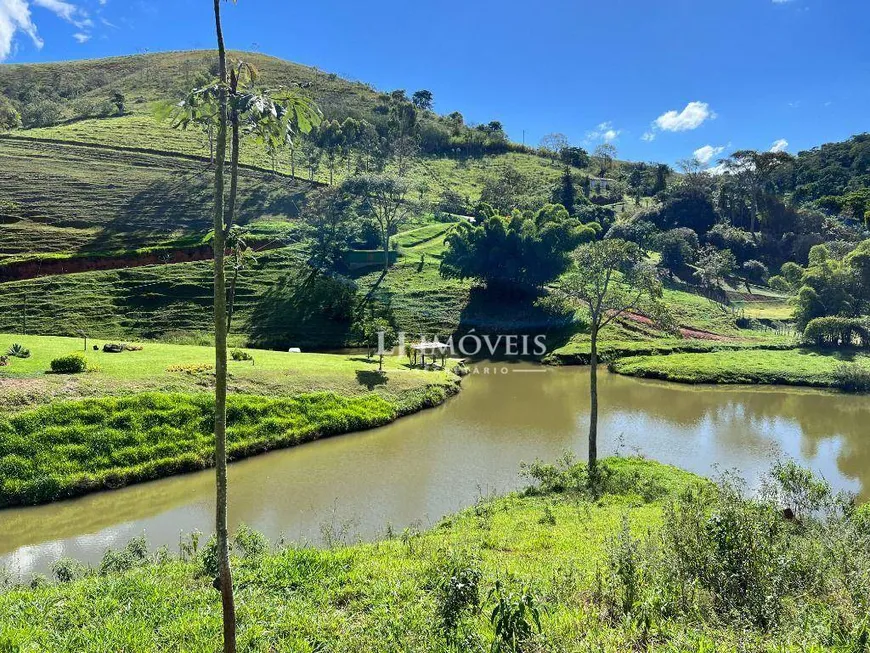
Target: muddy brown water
[(414, 471)]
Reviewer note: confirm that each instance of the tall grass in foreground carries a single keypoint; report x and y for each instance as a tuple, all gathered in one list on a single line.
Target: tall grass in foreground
[(66, 449), (652, 559)]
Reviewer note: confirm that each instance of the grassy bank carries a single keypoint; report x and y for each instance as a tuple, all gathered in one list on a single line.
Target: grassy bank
[(67, 449), (808, 367), (639, 565), (140, 415), (578, 352)]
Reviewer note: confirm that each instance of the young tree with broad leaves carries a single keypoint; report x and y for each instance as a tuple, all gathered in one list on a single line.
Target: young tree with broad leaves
[(610, 278), (273, 119)]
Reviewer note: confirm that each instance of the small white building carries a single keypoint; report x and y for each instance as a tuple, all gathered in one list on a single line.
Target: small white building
[(600, 184)]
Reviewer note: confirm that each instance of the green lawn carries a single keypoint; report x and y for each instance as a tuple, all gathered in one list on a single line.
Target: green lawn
[(187, 368), (792, 367), (636, 567)]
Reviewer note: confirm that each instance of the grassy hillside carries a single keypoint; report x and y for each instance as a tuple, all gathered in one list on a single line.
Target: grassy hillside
[(146, 130), (152, 79), (655, 560), (67, 199), (147, 78)]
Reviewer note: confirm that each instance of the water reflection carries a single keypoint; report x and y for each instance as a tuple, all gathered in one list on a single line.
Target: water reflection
[(418, 469)]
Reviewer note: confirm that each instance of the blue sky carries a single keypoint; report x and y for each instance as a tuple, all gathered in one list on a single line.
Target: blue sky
[(661, 79)]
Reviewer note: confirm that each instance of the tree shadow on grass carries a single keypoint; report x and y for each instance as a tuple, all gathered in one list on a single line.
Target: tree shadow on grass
[(496, 311), (182, 202), (305, 310), (371, 378)]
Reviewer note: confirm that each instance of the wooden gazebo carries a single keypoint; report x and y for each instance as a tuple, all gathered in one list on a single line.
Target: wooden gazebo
[(434, 350)]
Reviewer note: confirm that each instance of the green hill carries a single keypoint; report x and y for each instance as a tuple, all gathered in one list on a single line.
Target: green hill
[(103, 192), (58, 198)]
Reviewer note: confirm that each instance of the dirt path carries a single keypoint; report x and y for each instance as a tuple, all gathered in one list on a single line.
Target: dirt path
[(686, 332)]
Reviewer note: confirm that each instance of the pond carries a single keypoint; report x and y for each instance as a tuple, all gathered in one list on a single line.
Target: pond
[(414, 471)]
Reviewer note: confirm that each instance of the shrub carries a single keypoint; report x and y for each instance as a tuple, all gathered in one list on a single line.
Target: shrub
[(250, 544), (852, 378), (117, 562), (208, 559), (725, 558), (67, 570), (457, 591), (18, 351), (835, 331), (563, 476), (71, 364), (621, 586), (241, 355)]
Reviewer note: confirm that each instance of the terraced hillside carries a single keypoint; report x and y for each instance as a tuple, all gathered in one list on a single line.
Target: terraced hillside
[(66, 199)]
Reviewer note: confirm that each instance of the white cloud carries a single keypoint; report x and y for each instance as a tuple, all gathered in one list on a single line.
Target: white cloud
[(604, 132), (81, 37), (15, 17), (781, 2), (66, 10), (648, 136), (705, 154), (692, 117), (779, 146)]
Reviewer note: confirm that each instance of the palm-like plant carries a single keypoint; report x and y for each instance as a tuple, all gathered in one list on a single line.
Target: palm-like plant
[(18, 351)]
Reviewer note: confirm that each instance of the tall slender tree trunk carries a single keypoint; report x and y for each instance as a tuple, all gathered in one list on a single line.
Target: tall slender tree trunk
[(220, 341), (231, 304), (593, 399), (386, 252)]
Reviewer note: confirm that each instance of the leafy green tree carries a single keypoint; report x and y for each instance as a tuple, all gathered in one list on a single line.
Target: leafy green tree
[(120, 102), (688, 204), (520, 252), (678, 248), (9, 116), (756, 271), (385, 198), (635, 181), (41, 113), (331, 139), (273, 120), (714, 265), (610, 278), (507, 190), (330, 221), (423, 100), (754, 171), (662, 172), (574, 156), (829, 286), (565, 193)]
